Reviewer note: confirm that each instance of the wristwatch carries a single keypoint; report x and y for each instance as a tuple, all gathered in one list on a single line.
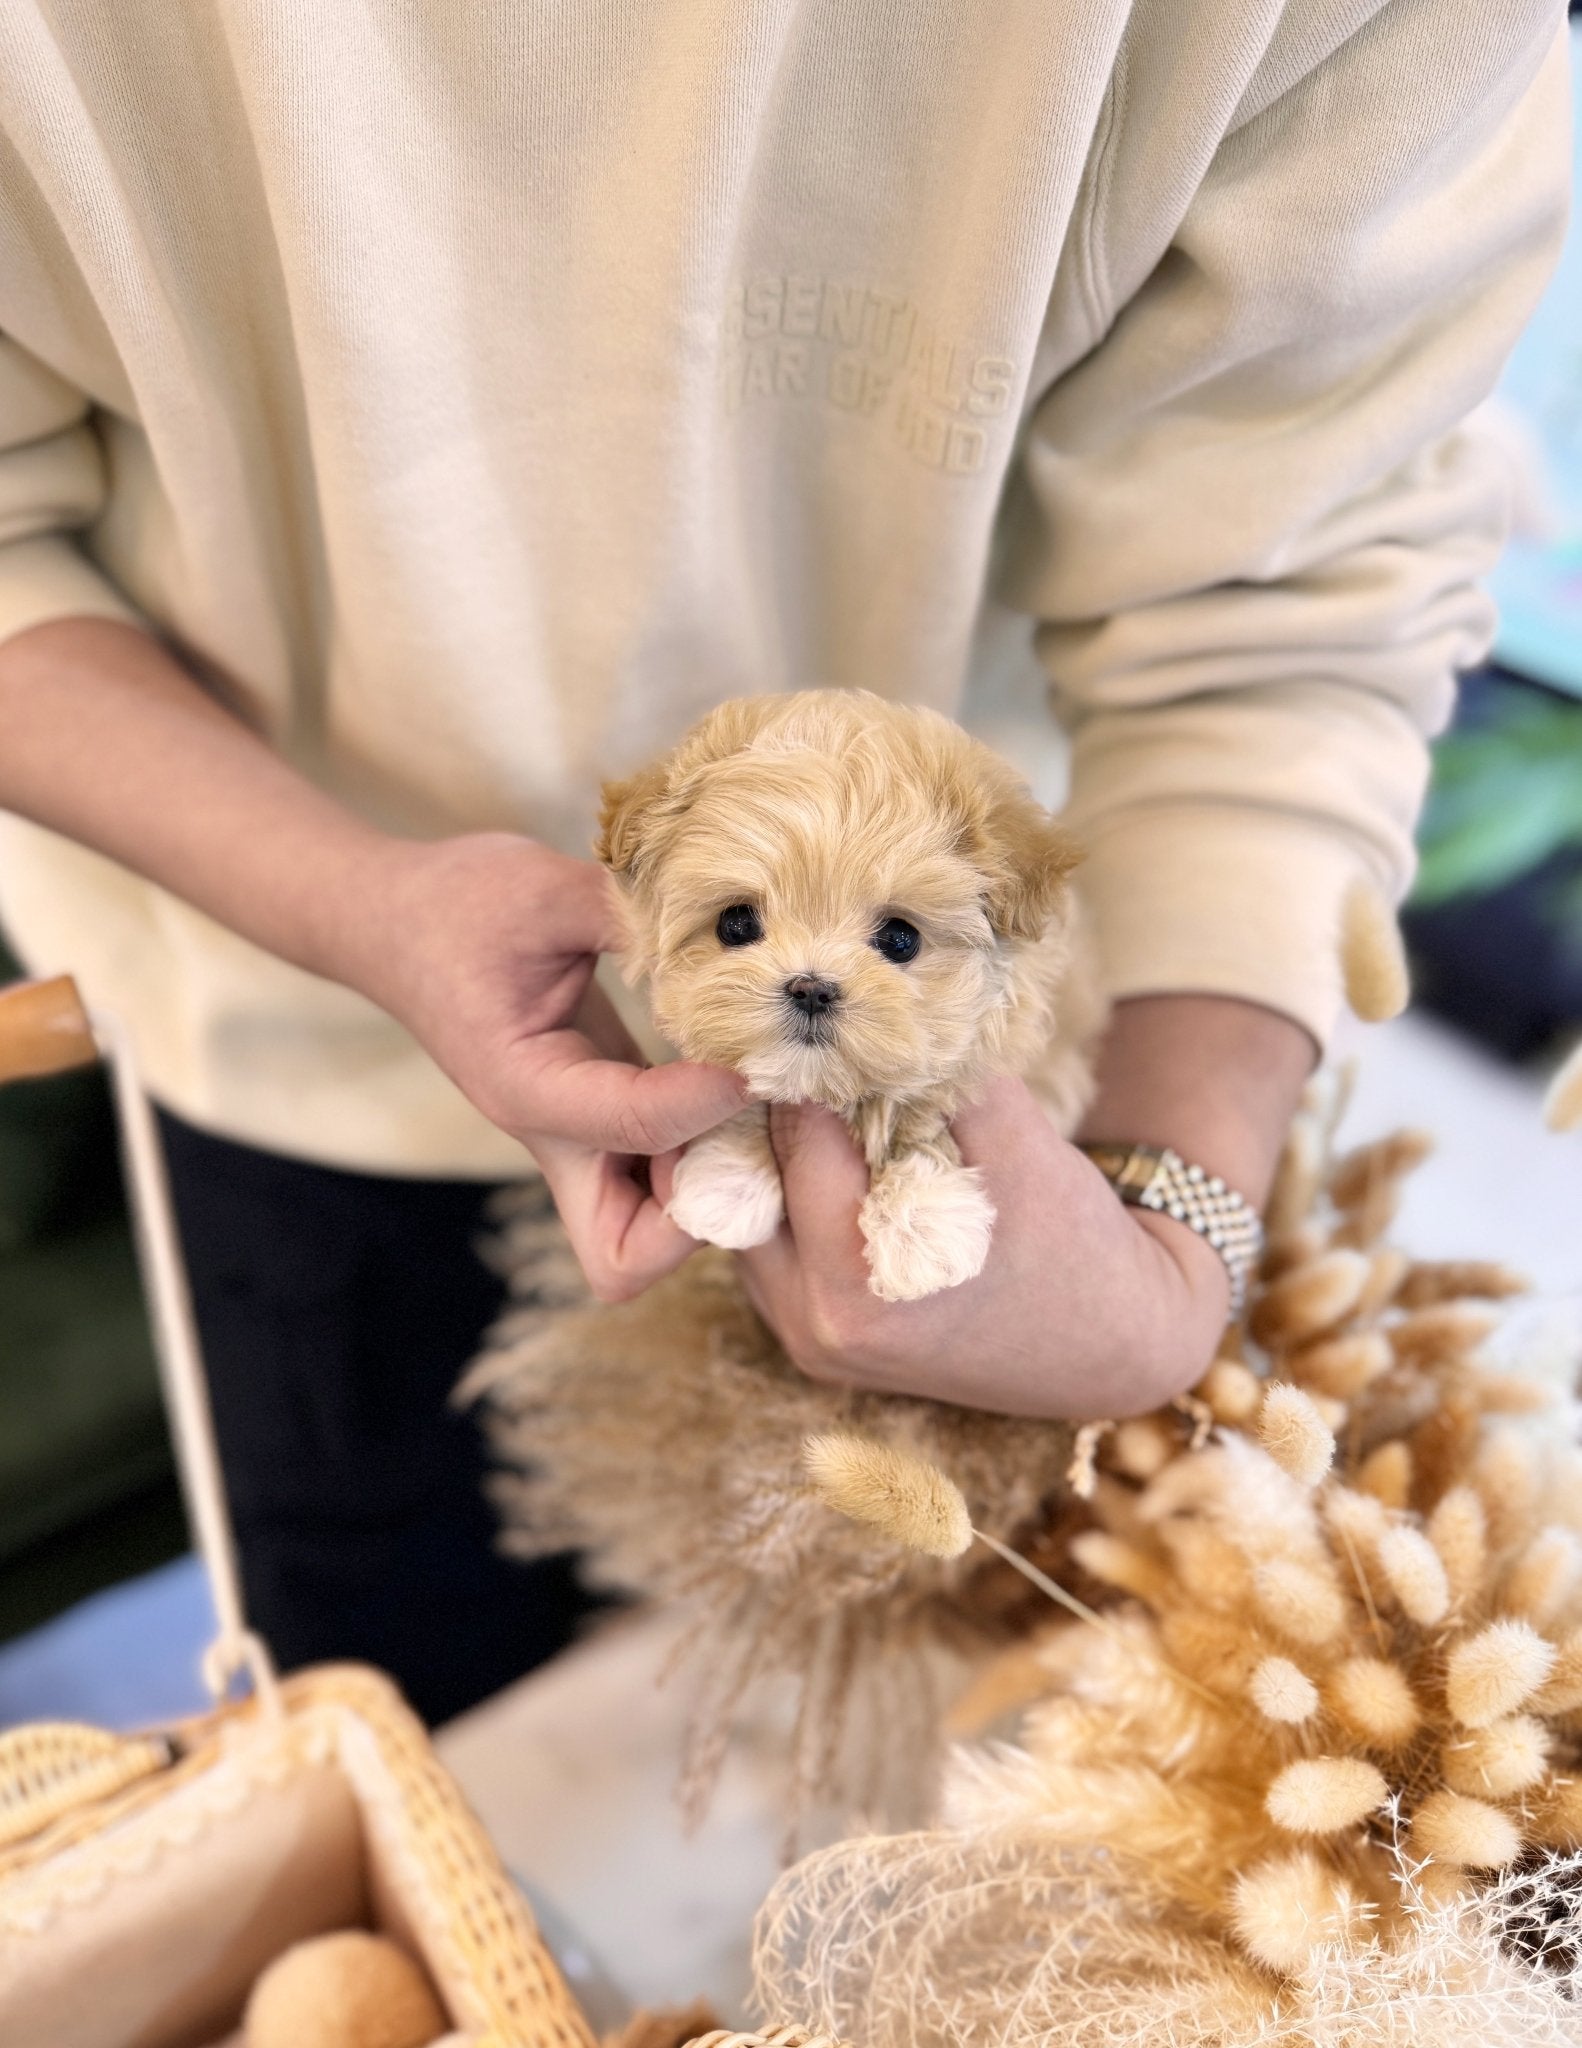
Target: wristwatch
[(1154, 1177)]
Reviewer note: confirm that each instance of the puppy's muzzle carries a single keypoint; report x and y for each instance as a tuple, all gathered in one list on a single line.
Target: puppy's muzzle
[(813, 998)]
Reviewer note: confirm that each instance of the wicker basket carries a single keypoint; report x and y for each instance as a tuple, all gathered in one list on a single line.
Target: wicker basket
[(145, 1880)]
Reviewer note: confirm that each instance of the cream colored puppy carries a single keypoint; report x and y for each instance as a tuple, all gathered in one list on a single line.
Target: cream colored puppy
[(851, 902)]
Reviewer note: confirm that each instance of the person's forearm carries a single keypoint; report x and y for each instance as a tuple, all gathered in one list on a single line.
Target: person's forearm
[(105, 738), (481, 944), (1217, 1079)]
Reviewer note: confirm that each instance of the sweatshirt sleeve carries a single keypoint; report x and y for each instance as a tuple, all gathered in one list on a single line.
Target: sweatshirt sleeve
[(52, 484), (1252, 526)]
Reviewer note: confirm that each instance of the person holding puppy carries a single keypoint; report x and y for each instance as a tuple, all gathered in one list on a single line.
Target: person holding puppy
[(411, 417)]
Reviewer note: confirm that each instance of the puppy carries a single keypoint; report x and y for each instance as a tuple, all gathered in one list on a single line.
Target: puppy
[(851, 902)]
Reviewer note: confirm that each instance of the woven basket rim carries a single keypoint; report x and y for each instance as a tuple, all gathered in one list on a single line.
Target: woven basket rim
[(506, 1986)]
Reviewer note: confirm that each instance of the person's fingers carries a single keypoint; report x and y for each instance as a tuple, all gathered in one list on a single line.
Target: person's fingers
[(811, 1143), (662, 1175), (580, 912), (772, 1301), (640, 1243), (1006, 1134), (562, 1088), (600, 1022), (1001, 1119), (825, 1178), (622, 1238)]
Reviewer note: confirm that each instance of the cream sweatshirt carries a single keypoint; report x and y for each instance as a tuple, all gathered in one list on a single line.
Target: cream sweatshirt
[(474, 393)]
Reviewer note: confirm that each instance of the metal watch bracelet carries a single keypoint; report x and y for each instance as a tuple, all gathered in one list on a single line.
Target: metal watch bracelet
[(1154, 1177)]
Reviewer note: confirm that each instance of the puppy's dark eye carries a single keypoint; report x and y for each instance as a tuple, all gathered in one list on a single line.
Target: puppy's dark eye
[(739, 926), (897, 940)]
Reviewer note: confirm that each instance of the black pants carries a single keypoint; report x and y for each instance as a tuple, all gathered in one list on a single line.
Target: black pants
[(337, 1311)]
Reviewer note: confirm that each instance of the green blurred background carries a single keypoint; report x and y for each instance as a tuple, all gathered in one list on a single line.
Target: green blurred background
[(88, 1494)]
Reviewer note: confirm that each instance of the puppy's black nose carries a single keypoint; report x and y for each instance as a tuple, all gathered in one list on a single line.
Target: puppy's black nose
[(812, 994)]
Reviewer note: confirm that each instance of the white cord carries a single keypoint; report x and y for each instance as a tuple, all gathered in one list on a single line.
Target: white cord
[(236, 1648)]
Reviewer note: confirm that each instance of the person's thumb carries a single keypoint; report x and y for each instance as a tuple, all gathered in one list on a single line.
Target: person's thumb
[(660, 1108), (820, 1167), (581, 912), (566, 1091)]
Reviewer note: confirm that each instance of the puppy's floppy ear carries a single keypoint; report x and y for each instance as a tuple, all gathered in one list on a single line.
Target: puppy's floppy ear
[(627, 814), (1025, 858), (631, 811)]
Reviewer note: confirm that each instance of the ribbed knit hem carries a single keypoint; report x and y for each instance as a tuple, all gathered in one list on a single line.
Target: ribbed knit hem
[(48, 578), (1206, 901)]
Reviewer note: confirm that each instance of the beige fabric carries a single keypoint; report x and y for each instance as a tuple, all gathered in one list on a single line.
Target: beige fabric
[(478, 394), (160, 1950)]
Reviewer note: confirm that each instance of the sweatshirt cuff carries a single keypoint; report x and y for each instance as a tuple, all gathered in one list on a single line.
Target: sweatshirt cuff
[(1204, 901), (48, 577)]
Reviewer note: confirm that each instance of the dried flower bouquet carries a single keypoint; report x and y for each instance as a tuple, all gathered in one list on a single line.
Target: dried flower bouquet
[(1318, 1778)]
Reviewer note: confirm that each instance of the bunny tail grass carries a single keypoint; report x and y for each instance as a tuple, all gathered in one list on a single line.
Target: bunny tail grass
[(891, 1490), (1372, 959), (914, 1503), (1563, 1103)]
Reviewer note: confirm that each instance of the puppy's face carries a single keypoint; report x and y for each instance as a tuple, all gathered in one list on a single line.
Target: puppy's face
[(830, 894)]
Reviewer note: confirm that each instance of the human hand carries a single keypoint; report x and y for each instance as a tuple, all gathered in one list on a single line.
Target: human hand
[(1085, 1307), (484, 947)]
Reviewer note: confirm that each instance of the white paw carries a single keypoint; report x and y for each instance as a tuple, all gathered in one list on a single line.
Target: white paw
[(722, 1196), (927, 1226)]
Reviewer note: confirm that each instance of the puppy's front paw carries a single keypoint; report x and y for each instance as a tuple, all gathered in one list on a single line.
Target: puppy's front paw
[(726, 1192), (927, 1226)]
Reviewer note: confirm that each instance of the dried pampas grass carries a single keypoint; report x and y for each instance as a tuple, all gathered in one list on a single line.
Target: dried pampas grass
[(1283, 1692), (1304, 1766), (1322, 1795), (1318, 1778), (665, 1437), (1001, 1940), (1295, 1434)]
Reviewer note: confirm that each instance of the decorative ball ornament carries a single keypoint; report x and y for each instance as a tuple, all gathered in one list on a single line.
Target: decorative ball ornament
[(346, 1990)]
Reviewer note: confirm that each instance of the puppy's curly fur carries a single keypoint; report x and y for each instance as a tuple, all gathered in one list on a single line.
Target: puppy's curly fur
[(665, 1434), (852, 902)]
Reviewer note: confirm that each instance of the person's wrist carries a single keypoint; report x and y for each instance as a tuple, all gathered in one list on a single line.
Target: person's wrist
[(401, 918), (1203, 1272), (350, 906), (1176, 1309), (1214, 1078)]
